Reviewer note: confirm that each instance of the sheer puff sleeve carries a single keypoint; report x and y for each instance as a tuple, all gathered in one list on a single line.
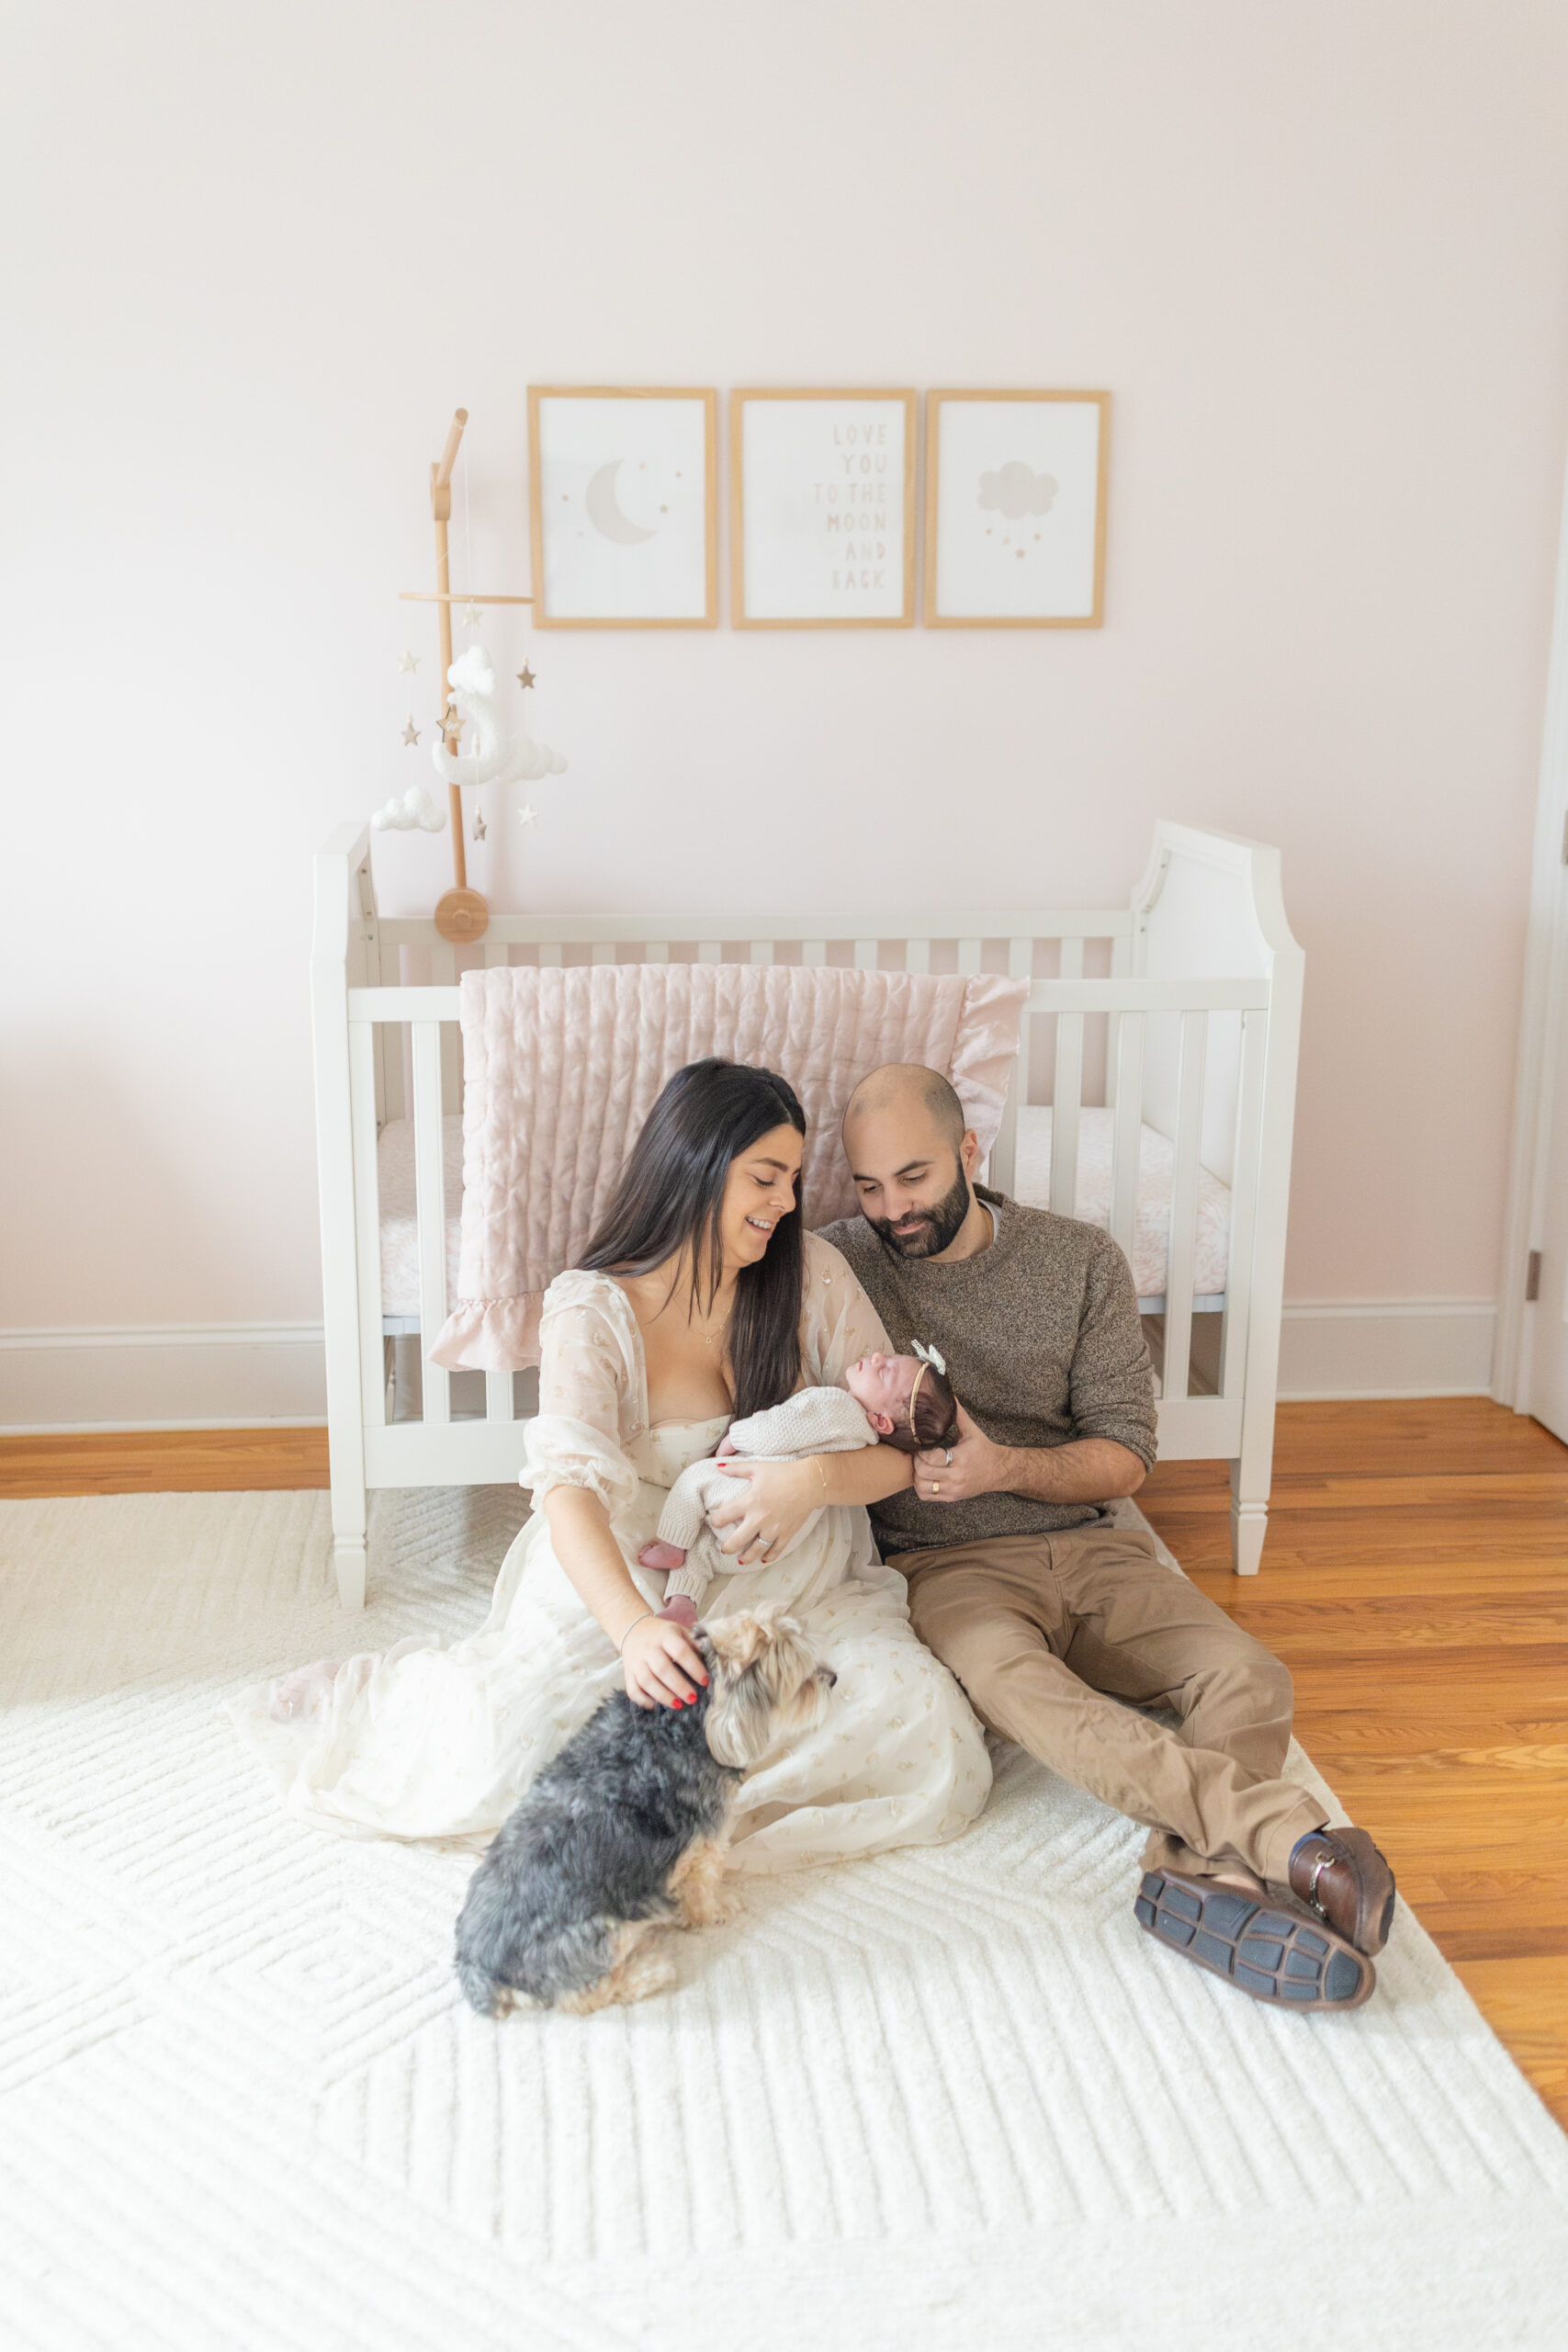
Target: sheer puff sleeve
[(589, 1393), (838, 1322)]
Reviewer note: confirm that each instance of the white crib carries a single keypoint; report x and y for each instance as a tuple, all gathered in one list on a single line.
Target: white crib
[(1155, 1090)]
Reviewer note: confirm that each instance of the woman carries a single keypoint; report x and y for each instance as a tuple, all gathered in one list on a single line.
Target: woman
[(699, 1298)]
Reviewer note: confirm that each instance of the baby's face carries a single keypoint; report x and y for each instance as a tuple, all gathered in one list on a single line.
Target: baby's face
[(881, 1385)]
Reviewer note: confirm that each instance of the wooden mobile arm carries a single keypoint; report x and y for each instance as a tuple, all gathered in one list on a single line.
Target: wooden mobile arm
[(462, 914), (441, 508)]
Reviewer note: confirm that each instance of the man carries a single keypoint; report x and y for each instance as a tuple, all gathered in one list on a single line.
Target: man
[(1050, 1614)]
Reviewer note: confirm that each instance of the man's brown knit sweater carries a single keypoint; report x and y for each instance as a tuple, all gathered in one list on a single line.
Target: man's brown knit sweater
[(1043, 1343)]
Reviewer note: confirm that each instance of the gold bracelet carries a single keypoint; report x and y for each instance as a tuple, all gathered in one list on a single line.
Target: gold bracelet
[(621, 1645)]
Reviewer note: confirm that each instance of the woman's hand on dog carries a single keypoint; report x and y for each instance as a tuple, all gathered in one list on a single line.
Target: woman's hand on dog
[(773, 1505), (654, 1654)]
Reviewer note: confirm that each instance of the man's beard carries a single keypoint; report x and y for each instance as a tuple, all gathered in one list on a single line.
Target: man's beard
[(937, 1228)]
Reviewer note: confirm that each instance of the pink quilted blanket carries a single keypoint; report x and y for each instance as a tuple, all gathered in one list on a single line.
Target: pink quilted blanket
[(561, 1068)]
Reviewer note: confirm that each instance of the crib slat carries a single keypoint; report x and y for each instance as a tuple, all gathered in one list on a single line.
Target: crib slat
[(443, 975), (865, 954), (968, 956), (813, 951), (550, 954), (763, 951), (656, 951), (1069, 968), (430, 1196), (917, 954), (383, 969), (362, 1057), (603, 952), (1128, 1131), (1066, 1098), (710, 951), (1184, 1202), (498, 1396), (1244, 1204), (496, 954), (1120, 966), (1002, 1170)]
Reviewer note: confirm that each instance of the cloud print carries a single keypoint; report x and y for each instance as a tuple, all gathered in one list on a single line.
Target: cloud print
[(1018, 491)]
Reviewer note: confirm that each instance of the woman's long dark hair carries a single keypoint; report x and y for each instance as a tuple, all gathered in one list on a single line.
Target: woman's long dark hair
[(670, 1192)]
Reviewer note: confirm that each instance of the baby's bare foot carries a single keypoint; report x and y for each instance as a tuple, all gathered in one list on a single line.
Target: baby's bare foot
[(681, 1607), (661, 1555)]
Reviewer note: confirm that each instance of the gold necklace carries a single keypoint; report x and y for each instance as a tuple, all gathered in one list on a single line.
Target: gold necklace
[(711, 1339)]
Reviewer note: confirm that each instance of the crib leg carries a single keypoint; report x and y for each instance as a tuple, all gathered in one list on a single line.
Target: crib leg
[(349, 1522), (1249, 1518), (348, 1562)]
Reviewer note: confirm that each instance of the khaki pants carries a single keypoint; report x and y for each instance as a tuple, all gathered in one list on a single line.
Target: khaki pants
[(1046, 1632)]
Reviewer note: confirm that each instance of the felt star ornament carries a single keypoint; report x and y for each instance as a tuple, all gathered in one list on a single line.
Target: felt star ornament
[(528, 814), (479, 825), (410, 733), (472, 614), (452, 722), (526, 677), (408, 662)]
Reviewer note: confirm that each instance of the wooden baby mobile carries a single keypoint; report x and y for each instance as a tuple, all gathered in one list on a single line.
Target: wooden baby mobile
[(468, 702)]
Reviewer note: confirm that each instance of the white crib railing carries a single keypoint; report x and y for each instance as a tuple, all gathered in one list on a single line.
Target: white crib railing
[(386, 1048)]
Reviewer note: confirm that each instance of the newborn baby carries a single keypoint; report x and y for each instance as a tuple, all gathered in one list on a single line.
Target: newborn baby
[(905, 1401)]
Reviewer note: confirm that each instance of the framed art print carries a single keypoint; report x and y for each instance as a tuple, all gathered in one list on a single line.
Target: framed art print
[(623, 499), (1015, 509), (822, 509)]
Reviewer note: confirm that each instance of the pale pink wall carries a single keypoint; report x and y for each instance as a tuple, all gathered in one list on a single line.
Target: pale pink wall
[(1318, 255)]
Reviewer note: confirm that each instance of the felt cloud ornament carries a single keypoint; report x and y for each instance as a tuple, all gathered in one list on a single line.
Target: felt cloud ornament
[(489, 756), (414, 808)]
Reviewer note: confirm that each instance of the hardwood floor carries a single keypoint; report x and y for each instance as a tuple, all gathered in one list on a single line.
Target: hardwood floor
[(163, 1462), (1415, 1581)]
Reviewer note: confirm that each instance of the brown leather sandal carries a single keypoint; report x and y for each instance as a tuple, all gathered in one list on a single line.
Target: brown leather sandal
[(1271, 1954)]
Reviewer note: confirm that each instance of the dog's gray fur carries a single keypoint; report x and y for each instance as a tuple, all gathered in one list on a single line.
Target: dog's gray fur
[(591, 1846)]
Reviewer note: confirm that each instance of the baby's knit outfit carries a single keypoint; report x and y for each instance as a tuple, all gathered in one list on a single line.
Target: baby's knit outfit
[(814, 1420)]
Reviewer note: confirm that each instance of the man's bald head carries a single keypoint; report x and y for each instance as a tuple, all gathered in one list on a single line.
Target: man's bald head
[(904, 1087), (911, 1154)]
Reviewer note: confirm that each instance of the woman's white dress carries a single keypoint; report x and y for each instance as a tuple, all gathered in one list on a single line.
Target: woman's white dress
[(432, 1742)]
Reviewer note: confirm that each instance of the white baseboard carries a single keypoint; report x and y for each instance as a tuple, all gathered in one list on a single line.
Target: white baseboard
[(250, 1375), (1386, 1347), (163, 1376)]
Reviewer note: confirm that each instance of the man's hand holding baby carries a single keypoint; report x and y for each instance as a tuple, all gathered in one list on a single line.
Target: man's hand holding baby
[(971, 1465)]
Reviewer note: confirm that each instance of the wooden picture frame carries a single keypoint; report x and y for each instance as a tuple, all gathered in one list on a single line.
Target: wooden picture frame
[(602, 566), (1042, 476), (798, 484)]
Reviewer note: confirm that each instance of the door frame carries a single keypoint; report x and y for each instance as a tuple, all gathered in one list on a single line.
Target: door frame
[(1545, 977)]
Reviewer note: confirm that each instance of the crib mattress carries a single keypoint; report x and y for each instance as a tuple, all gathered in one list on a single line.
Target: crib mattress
[(399, 1228), (400, 1223), (1156, 1163)]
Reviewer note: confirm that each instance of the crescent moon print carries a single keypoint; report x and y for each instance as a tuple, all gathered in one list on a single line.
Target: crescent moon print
[(621, 507), (604, 509)]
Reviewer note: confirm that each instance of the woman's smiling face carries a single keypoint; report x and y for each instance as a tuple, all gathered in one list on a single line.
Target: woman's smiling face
[(763, 1187)]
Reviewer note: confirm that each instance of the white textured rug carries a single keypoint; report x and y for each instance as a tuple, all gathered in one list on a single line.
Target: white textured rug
[(946, 2099)]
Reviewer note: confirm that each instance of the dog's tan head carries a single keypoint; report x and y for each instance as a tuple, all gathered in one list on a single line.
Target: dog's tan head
[(768, 1684)]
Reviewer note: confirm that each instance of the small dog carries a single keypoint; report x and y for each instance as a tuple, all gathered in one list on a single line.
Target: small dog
[(624, 1832)]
